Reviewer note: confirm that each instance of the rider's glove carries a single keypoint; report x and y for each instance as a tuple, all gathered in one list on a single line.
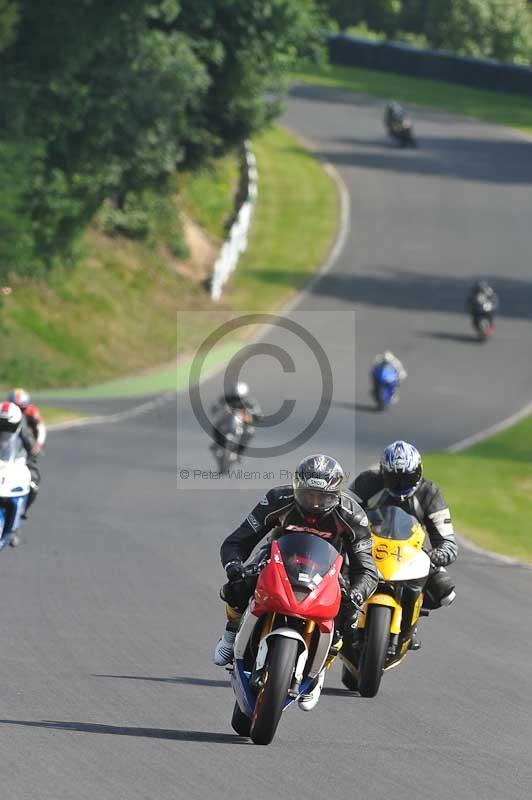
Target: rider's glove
[(356, 599), (234, 570), (439, 558)]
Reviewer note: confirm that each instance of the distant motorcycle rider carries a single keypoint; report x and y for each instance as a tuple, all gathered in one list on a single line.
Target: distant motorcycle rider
[(381, 360), (237, 399), (481, 294), (32, 414), (316, 504), (399, 482), (398, 124), (13, 421)]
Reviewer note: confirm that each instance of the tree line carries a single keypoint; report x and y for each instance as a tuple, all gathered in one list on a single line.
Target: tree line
[(102, 101), (500, 29)]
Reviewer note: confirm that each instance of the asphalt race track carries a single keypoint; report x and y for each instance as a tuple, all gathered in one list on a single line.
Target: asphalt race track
[(109, 608)]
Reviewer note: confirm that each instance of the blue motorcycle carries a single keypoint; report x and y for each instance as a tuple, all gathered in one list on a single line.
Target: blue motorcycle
[(385, 385)]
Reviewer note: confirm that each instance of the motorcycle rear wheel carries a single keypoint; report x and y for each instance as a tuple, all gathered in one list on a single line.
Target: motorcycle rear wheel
[(374, 652), (239, 722), (280, 666)]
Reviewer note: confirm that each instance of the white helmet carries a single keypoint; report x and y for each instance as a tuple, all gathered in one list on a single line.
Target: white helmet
[(10, 417), (238, 391), (388, 355)]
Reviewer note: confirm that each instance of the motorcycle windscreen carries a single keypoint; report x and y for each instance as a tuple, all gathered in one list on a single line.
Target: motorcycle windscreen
[(306, 558), (393, 523)]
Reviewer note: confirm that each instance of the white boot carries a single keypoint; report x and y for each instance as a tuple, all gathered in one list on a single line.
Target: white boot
[(310, 699), (223, 652)]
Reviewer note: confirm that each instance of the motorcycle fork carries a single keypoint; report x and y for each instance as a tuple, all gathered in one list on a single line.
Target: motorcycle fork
[(257, 678), (412, 597), (308, 633)]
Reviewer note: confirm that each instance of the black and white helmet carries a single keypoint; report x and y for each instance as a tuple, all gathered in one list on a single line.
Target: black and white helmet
[(318, 485)]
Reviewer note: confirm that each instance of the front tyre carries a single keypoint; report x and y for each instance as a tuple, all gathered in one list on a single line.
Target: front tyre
[(375, 648), (279, 671)]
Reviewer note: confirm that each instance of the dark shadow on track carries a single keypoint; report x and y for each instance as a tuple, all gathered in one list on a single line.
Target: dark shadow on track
[(363, 407), (178, 679), (406, 290), (118, 730), (462, 338), (333, 692), (503, 160)]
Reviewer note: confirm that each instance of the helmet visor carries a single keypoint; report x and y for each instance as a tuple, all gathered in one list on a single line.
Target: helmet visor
[(314, 500), (402, 483)]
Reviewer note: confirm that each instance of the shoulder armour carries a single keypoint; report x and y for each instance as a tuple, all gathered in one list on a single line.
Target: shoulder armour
[(279, 496), (351, 509)]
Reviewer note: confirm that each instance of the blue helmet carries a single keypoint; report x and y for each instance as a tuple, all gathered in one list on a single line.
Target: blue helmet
[(401, 469)]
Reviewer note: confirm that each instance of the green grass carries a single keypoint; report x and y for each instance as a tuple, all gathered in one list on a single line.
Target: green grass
[(295, 220), (54, 415), (505, 109), (489, 490), (208, 196), (107, 321)]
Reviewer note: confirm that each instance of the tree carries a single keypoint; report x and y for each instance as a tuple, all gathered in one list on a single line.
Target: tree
[(9, 17), (247, 47), (106, 98), (499, 29)]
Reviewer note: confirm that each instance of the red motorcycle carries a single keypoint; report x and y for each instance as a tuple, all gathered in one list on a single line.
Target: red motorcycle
[(286, 632)]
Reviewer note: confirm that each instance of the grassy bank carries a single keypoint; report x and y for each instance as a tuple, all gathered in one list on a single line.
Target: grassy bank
[(295, 221), (53, 416), (505, 109), (115, 314), (489, 489)]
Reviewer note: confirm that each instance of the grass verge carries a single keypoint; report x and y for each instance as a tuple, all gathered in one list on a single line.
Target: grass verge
[(114, 312), (293, 226), (295, 221), (53, 415), (489, 489), (505, 109)]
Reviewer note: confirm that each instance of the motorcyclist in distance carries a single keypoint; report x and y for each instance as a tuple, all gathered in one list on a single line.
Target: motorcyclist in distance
[(13, 421), (480, 294), (398, 124), (313, 504), (32, 414), (399, 482), (387, 358), (237, 399)]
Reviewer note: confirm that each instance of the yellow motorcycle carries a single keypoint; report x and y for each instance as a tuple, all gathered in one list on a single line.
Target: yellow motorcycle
[(384, 631)]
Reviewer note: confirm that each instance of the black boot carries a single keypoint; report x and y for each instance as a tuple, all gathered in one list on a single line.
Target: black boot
[(31, 499), (415, 643)]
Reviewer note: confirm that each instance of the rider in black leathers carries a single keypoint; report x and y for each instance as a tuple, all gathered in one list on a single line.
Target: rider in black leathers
[(237, 398), (314, 504), (399, 482), (481, 293)]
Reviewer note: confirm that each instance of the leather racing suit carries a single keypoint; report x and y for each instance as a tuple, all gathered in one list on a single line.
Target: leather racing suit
[(345, 528), (428, 506)]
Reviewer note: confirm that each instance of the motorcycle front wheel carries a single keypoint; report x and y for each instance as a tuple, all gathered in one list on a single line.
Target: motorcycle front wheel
[(280, 666), (374, 651)]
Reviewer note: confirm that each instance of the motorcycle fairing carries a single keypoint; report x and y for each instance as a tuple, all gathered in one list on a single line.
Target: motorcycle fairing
[(274, 593)]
